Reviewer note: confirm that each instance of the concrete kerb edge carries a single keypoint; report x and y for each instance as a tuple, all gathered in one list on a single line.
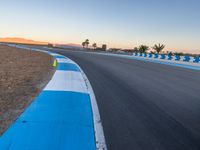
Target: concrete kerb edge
[(98, 128)]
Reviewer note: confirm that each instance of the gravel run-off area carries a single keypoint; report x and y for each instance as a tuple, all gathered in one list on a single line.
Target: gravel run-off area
[(23, 74)]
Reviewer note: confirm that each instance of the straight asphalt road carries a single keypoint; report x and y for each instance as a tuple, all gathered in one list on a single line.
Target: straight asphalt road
[(144, 105)]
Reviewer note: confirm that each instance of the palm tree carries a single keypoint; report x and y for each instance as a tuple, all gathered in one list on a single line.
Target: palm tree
[(83, 44), (94, 45), (87, 42), (158, 48), (143, 48)]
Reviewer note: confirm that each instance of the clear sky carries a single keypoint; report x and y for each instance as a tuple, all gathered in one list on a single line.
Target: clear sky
[(118, 23)]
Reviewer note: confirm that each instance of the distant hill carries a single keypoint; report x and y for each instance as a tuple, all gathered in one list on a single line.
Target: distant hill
[(22, 40), (28, 41)]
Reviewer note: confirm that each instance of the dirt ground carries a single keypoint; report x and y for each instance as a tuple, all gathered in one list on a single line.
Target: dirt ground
[(23, 74)]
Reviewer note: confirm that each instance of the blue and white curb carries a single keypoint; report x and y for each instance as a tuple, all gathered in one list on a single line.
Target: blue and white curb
[(64, 116)]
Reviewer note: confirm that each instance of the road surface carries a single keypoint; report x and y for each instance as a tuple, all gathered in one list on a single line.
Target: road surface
[(144, 105)]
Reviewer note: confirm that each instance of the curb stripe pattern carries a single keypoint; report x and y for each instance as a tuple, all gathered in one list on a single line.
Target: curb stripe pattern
[(67, 81), (60, 118), (67, 66)]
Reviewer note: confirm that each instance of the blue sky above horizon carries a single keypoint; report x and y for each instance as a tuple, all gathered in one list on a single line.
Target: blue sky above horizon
[(125, 24)]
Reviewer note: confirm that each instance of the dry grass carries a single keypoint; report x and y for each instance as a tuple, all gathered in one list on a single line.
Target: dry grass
[(22, 76)]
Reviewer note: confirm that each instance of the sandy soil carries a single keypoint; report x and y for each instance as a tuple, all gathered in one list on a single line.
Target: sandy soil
[(23, 74)]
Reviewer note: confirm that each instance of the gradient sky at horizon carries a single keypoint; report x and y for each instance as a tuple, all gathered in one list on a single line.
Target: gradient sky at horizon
[(125, 24)]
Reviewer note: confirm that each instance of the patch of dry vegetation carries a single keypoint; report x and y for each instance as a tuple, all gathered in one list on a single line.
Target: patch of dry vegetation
[(23, 74)]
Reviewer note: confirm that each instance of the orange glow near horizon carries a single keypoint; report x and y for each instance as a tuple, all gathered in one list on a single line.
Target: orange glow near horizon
[(78, 43), (58, 22)]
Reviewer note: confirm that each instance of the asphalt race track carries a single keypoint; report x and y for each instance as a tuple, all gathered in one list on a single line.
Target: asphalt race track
[(144, 105)]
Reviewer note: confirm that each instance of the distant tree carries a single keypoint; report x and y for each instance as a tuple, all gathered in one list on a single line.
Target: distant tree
[(135, 50), (178, 53), (87, 42), (83, 44), (94, 45), (143, 48), (104, 47), (158, 48)]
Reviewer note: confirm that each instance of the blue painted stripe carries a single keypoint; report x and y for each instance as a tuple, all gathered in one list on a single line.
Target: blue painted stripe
[(59, 56), (55, 120), (68, 67)]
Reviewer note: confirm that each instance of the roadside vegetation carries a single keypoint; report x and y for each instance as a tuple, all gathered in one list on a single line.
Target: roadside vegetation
[(155, 49), (143, 48), (158, 48)]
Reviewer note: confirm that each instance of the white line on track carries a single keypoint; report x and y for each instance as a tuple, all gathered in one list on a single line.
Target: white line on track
[(98, 128), (64, 60)]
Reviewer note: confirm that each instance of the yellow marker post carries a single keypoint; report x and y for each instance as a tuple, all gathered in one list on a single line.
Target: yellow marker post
[(54, 63)]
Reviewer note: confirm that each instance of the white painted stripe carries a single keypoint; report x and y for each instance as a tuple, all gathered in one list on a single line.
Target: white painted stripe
[(99, 133), (65, 60), (54, 54), (67, 81)]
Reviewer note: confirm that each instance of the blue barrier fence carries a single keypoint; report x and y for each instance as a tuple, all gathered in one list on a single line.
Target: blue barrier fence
[(150, 55), (185, 58), (170, 57), (177, 57), (196, 59), (155, 55)]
